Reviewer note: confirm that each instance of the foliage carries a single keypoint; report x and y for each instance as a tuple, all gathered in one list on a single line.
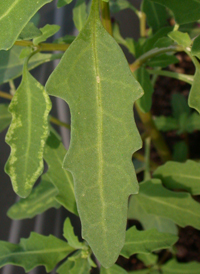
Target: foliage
[(94, 179)]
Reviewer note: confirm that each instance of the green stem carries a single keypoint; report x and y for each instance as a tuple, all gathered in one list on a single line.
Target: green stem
[(43, 46), (147, 175), (53, 120), (105, 14), (155, 135), (142, 18), (152, 53), (179, 76)]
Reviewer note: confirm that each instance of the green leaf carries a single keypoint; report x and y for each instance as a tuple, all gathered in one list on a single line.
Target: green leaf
[(144, 271), (11, 65), (88, 77), (194, 98), (80, 14), (27, 133), (69, 235), (162, 61), (176, 206), (54, 153), (179, 106), (182, 39), (156, 15), (146, 241), (118, 5), (180, 153), (5, 117), (163, 42), (81, 266), (187, 11), (47, 31), (40, 199), (29, 32), (149, 221), (62, 3), (166, 123), (196, 47), (115, 269), (143, 78), (174, 267), (65, 267), (148, 259), (14, 15), (193, 122), (180, 176), (34, 251)]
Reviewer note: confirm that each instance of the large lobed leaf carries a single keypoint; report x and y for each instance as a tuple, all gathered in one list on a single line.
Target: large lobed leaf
[(14, 15), (94, 78), (34, 251), (176, 206), (174, 267), (27, 133)]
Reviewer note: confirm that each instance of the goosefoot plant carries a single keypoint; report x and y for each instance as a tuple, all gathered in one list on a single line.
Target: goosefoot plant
[(97, 176)]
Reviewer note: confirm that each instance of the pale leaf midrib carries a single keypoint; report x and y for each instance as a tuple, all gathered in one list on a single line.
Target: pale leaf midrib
[(9, 9)]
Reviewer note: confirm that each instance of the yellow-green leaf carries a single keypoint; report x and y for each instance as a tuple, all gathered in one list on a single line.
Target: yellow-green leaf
[(5, 117), (94, 78), (27, 133)]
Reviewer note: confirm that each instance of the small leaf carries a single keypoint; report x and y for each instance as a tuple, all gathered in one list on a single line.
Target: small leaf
[(166, 123), (34, 251), (14, 15), (27, 133), (162, 61), (148, 259), (54, 153), (81, 266), (163, 42), (174, 267), (11, 65), (143, 78), (180, 176), (194, 98), (182, 39), (62, 3), (149, 221), (196, 47), (65, 267), (80, 14), (187, 11), (115, 269), (193, 122), (5, 117), (29, 32), (179, 106), (103, 177), (118, 5), (180, 153), (156, 15), (146, 241), (176, 206), (41, 198), (47, 31), (69, 235)]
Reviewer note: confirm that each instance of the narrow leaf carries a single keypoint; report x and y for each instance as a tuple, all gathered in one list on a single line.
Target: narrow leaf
[(47, 31), (176, 206), (180, 153), (65, 267), (194, 98), (162, 61), (14, 15), (143, 78), (196, 47), (180, 176), (118, 5), (103, 177), (174, 267), (115, 269), (27, 133), (186, 12), (156, 14), (70, 236), (54, 154), (193, 122), (11, 65), (166, 123), (148, 259), (79, 14), (34, 251), (62, 3), (81, 266), (41, 198), (5, 117), (179, 106), (182, 39), (146, 241), (29, 32)]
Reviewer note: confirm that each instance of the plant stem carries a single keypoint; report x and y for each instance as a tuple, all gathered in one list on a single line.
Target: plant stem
[(147, 175), (44, 46), (180, 76), (53, 120), (105, 14), (152, 53), (141, 158), (142, 18), (155, 135)]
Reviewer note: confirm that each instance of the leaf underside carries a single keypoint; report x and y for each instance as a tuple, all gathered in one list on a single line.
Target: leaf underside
[(93, 77)]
